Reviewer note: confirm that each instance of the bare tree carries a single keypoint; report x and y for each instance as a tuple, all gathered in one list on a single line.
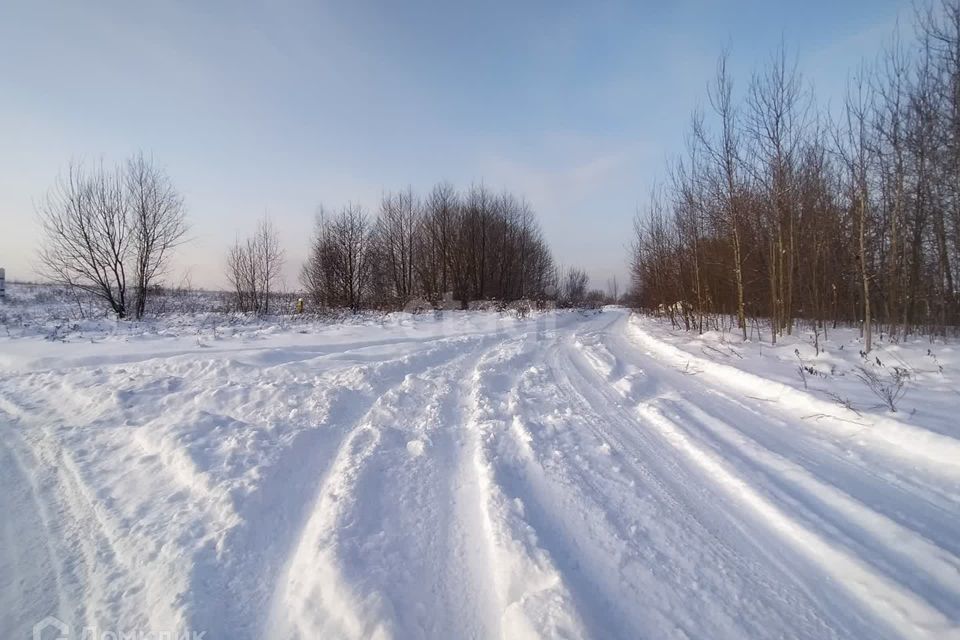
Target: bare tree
[(242, 274), (254, 266), (271, 258), (855, 147), (338, 271), (107, 230), (574, 287), (157, 223), (317, 274), (613, 290), (396, 231), (86, 234), (437, 239), (726, 180), (776, 120)]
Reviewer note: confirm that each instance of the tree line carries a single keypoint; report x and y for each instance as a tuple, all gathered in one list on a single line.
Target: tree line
[(110, 231), (779, 210), (475, 245)]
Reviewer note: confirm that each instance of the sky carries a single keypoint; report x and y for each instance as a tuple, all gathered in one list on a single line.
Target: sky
[(274, 108)]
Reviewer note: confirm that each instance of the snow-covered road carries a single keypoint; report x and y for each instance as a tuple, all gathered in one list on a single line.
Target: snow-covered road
[(566, 475)]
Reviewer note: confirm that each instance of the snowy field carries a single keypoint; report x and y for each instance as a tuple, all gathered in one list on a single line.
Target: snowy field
[(473, 475)]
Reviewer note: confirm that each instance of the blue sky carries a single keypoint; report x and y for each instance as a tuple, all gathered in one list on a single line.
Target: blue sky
[(277, 107)]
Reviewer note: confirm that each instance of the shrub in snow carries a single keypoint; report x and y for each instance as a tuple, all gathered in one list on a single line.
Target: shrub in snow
[(890, 389)]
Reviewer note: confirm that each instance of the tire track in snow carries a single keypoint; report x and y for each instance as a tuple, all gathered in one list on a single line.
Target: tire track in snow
[(614, 560), (901, 554), (532, 598), (131, 578), (897, 606), (280, 519), (692, 554), (215, 585), (551, 523), (385, 550), (35, 571), (94, 568), (893, 436), (260, 354), (865, 518), (885, 484), (587, 542), (99, 555)]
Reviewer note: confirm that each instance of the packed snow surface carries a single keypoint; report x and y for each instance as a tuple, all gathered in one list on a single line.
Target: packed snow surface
[(475, 475)]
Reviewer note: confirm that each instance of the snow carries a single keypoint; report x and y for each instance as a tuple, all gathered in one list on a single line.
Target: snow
[(473, 475)]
